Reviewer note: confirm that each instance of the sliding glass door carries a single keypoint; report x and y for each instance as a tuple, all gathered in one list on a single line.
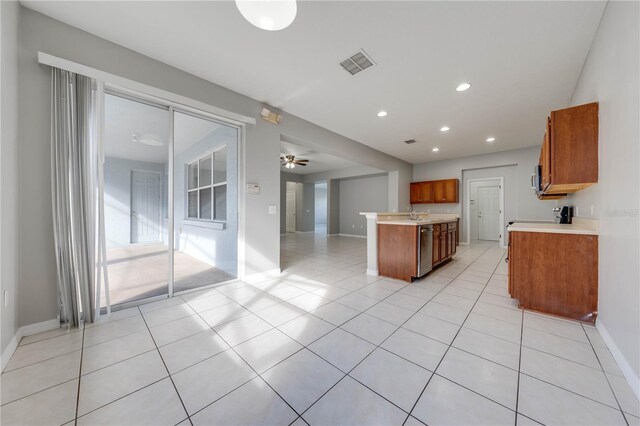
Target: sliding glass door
[(147, 196), (205, 201), (136, 154)]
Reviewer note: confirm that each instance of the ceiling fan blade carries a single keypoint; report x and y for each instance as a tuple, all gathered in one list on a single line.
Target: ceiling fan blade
[(300, 164), (302, 161)]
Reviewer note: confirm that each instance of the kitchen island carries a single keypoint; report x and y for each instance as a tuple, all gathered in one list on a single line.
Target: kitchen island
[(402, 248)]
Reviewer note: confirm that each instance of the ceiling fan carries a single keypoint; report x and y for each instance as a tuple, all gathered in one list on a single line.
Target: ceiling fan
[(290, 162)]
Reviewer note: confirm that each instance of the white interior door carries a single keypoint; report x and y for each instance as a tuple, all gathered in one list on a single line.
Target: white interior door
[(291, 211), (145, 206), (489, 213)]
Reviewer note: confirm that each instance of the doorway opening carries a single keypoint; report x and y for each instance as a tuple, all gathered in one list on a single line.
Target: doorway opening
[(321, 205), (485, 210)]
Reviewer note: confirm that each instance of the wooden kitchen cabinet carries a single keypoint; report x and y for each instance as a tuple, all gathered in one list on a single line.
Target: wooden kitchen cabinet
[(555, 273), (398, 248), (421, 193), (569, 153), (436, 191)]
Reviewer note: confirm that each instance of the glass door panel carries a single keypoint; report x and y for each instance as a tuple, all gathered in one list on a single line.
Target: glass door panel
[(136, 148), (205, 202)]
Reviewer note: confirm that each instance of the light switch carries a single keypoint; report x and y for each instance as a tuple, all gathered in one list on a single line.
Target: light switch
[(273, 210)]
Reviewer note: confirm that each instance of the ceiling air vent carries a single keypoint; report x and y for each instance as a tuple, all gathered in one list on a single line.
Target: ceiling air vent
[(357, 62), (410, 141)]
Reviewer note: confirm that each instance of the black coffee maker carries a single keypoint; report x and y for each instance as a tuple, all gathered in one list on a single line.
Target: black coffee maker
[(564, 214)]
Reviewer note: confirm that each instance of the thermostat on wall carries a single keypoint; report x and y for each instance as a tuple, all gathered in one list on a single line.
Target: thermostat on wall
[(253, 188)]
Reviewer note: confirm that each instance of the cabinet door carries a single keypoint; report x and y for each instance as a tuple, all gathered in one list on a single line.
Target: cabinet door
[(451, 190), (545, 157), (426, 191), (416, 193), (452, 239), (443, 245), (438, 191), (436, 246)]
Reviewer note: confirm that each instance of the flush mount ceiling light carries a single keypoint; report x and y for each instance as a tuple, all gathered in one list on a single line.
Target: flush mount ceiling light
[(269, 15), (491, 139), (444, 129), (462, 87), (382, 114), (435, 149)]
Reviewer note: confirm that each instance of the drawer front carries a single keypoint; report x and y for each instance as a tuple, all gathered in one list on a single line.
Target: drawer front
[(452, 225), (436, 228)]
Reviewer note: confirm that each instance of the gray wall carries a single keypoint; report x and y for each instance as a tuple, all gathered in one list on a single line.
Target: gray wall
[(117, 197), (333, 198), (520, 201), (321, 204), (9, 202), (610, 76), (217, 247), (38, 301), (366, 194)]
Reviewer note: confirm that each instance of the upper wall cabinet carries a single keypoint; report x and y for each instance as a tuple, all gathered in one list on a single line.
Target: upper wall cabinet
[(434, 191), (569, 155)]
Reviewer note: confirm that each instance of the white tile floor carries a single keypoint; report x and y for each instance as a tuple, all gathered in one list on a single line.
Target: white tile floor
[(325, 344)]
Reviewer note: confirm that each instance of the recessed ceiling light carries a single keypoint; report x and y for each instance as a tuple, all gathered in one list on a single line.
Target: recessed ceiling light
[(491, 139), (462, 87), (382, 114), (435, 149), (444, 129)]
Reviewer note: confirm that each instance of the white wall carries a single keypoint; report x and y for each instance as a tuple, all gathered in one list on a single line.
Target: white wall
[(365, 194), (516, 166), (610, 76), (9, 212)]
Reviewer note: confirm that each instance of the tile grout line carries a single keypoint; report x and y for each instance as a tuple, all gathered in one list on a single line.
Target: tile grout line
[(605, 376), (165, 366), (379, 346), (519, 367), (456, 335), (75, 419)]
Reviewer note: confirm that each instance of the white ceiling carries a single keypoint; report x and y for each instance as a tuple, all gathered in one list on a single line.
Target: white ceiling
[(318, 162), (523, 59), (124, 117)]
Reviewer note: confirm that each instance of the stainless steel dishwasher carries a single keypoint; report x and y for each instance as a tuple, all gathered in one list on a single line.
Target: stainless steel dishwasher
[(425, 249)]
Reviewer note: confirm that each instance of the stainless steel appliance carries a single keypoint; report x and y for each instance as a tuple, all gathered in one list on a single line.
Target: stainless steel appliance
[(564, 214), (425, 249)]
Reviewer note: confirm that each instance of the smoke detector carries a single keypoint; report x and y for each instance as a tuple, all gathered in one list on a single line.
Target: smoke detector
[(357, 62), (410, 141)]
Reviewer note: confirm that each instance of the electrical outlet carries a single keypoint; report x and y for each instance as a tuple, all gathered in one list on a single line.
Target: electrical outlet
[(592, 210), (353, 225), (575, 211), (5, 298)]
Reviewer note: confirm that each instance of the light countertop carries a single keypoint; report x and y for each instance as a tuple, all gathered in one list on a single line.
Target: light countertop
[(419, 222), (578, 227)]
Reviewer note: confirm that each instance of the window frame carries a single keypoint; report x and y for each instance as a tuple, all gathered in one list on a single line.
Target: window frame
[(196, 162)]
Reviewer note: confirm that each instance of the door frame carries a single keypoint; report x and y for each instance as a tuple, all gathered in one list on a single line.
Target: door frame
[(131, 201), (467, 207)]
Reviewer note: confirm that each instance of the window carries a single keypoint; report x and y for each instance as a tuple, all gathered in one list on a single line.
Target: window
[(207, 187)]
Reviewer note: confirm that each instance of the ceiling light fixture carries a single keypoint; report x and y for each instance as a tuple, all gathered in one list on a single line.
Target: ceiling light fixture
[(491, 139), (269, 15), (444, 129), (150, 139), (462, 87), (382, 114), (435, 149), (290, 166)]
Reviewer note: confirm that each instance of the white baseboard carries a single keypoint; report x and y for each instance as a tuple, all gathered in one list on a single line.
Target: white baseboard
[(24, 331), (627, 371), (305, 232), (463, 244), (261, 276), (373, 272), (352, 235)]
